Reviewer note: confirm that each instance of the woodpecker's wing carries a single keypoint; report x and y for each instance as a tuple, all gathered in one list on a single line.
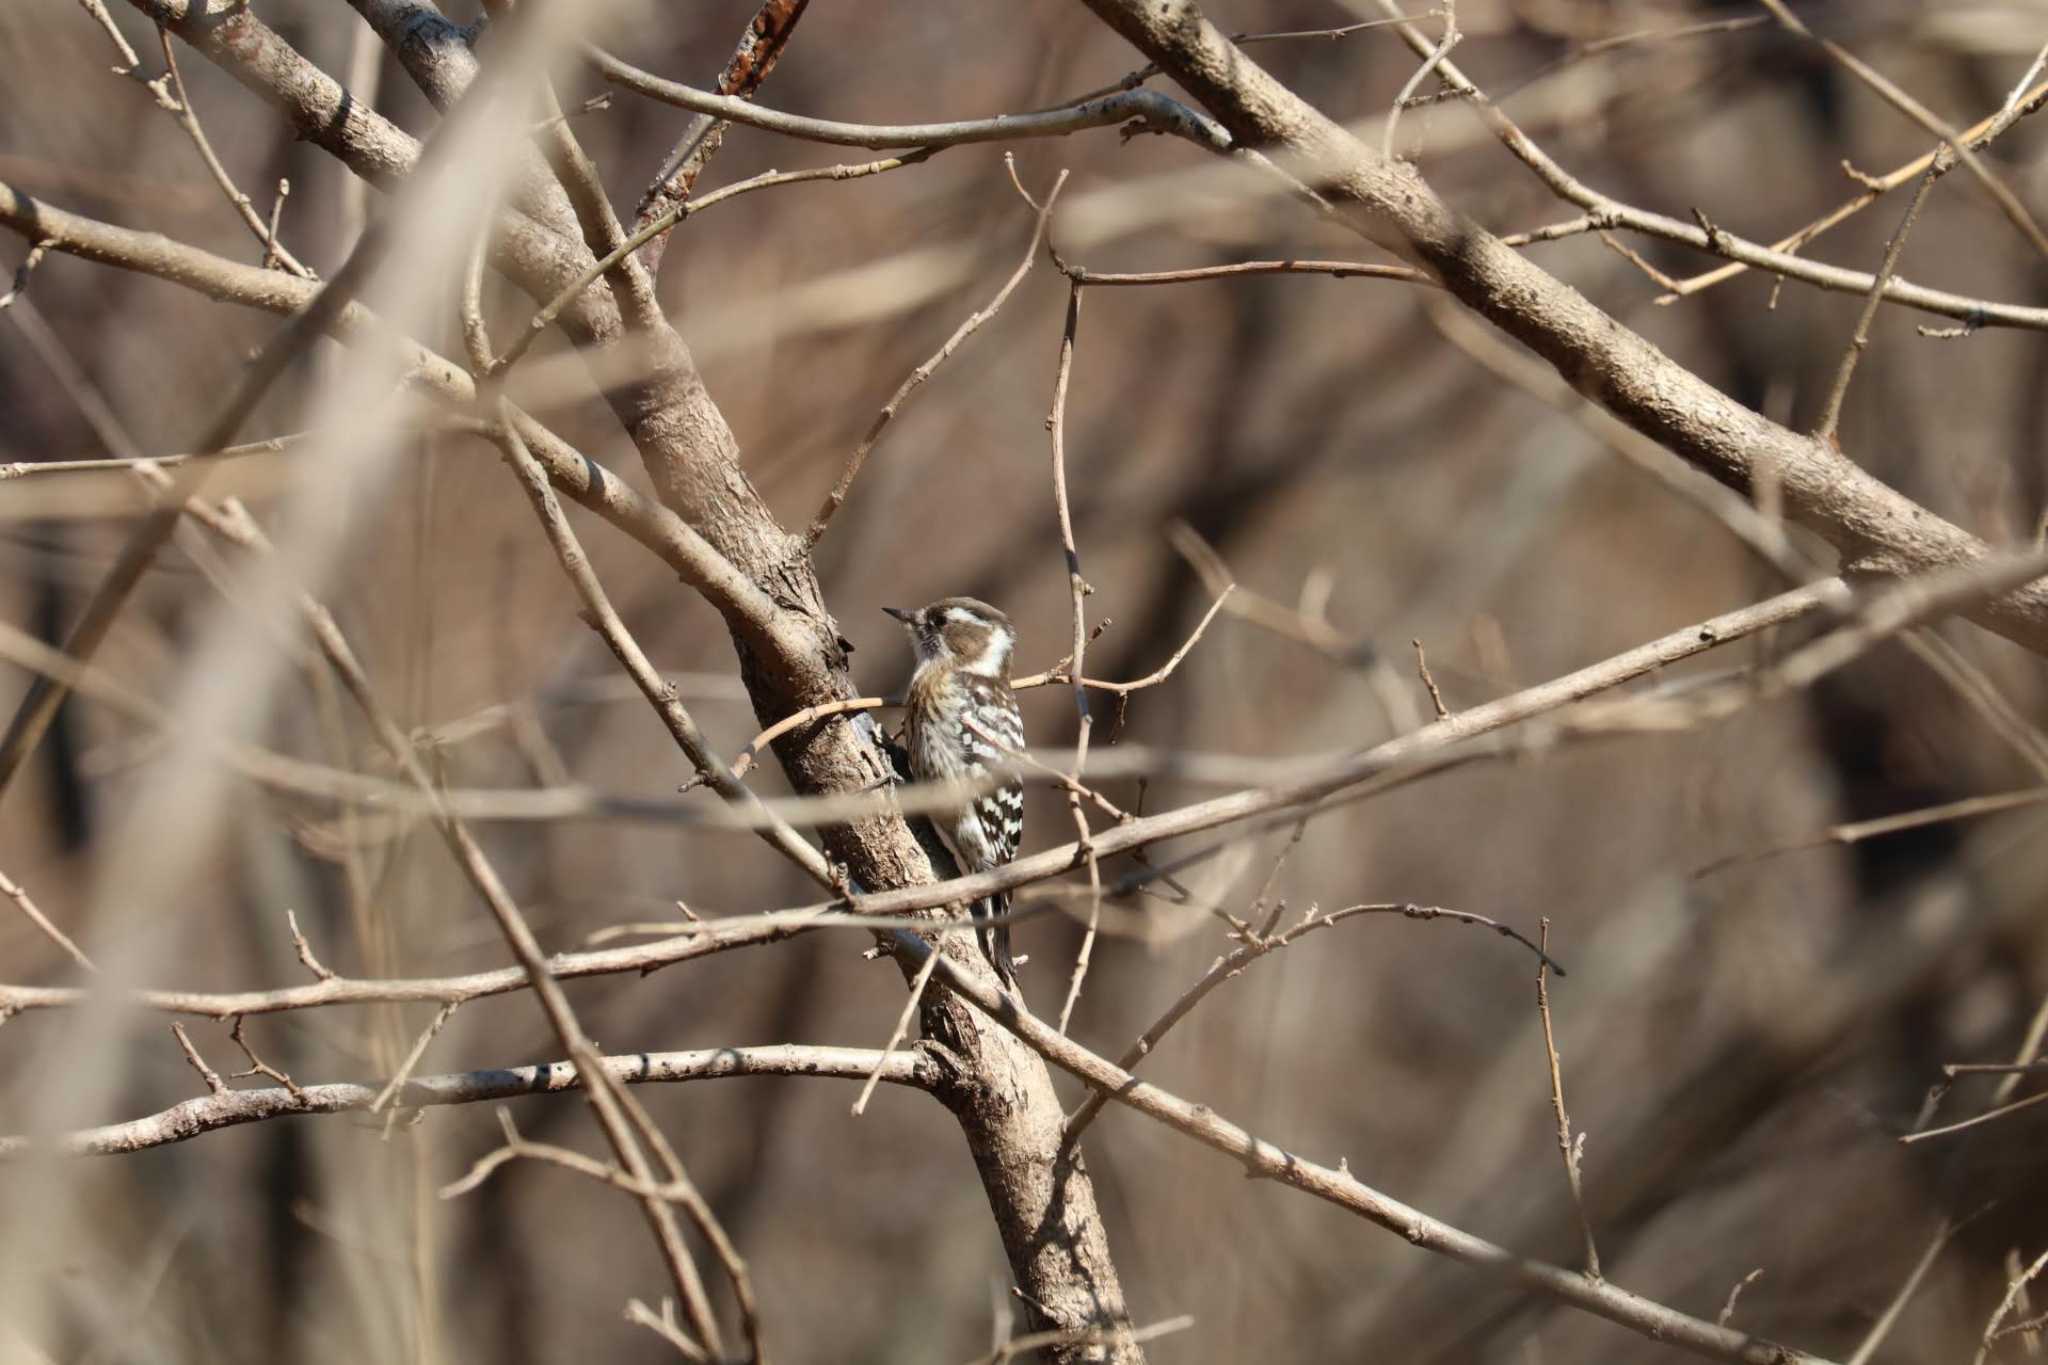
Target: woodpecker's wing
[(1000, 812)]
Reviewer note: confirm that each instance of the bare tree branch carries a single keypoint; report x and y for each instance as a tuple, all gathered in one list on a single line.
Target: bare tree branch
[(723, 935), (1255, 943), (1150, 110), (233, 1107), (1263, 1160), (972, 324), (759, 48), (1876, 529), (1977, 135), (582, 478)]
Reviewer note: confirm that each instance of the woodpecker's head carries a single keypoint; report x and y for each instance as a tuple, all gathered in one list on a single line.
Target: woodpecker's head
[(968, 634)]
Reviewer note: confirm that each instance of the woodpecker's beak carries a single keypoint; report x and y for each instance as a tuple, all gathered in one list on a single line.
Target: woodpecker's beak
[(906, 617)]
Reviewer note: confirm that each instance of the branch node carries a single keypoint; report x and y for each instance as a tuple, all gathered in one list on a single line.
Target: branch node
[(257, 1066)]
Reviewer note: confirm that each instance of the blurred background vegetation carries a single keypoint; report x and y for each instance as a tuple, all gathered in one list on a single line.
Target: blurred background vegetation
[(1742, 1048)]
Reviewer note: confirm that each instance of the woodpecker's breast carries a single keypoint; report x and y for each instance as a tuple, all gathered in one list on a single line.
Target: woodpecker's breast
[(961, 724), (935, 706)]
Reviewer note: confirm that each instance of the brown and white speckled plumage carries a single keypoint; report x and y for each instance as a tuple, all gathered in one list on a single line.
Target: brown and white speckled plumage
[(962, 717)]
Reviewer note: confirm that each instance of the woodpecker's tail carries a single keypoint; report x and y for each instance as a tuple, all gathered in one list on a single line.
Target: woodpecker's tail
[(995, 938)]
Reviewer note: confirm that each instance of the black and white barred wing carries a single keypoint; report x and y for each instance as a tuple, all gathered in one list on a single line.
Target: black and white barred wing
[(995, 731), (991, 731)]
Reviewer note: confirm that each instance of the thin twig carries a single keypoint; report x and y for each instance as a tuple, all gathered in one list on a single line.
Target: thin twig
[(2013, 1290), (32, 717), (1612, 213), (1567, 1147), (1642, 262), (753, 57), (1263, 1159), (1414, 82), (273, 252), (605, 620), (257, 1066), (611, 1106), (98, 11), (1313, 629), (677, 1189), (663, 1325), (1255, 946), (305, 949), (1734, 1293), (1066, 781), (194, 1117), (2008, 203), (1341, 270), (796, 720), (1063, 673), (611, 260), (1954, 1069), (2028, 1327), (1266, 908), (1147, 108), (973, 323), (1855, 832), (917, 985), (214, 1084), (22, 469), (14, 891), (516, 1146), (1977, 136), (1032, 1342), (1436, 698), (1145, 73), (1516, 709), (1987, 1116), (1882, 1328), (1638, 37), (1831, 415), (412, 1057), (175, 101), (2029, 1049), (596, 104), (1078, 592), (1977, 691)]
